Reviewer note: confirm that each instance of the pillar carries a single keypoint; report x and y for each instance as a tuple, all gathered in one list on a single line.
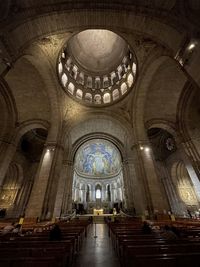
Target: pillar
[(63, 192), (36, 201), (175, 203), (7, 153), (191, 161), (146, 171)]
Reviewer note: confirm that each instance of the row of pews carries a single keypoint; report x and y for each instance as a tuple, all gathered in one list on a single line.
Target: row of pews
[(134, 248), (33, 247)]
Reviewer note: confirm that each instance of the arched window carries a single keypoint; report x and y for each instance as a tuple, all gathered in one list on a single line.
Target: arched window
[(98, 194)]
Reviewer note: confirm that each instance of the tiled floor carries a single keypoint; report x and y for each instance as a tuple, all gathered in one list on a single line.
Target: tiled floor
[(97, 252)]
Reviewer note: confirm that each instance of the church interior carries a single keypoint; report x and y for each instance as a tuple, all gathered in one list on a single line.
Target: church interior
[(100, 130)]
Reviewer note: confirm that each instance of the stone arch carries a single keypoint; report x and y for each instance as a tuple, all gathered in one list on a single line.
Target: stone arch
[(163, 124), (16, 136), (66, 20), (147, 98), (48, 74), (10, 148), (14, 175), (39, 74), (188, 115), (23, 90), (9, 115), (166, 126), (176, 171), (139, 102), (29, 125), (104, 125), (188, 127), (11, 186), (80, 141), (118, 144), (184, 186)]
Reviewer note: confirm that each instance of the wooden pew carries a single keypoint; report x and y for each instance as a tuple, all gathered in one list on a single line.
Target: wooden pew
[(37, 250), (134, 249)]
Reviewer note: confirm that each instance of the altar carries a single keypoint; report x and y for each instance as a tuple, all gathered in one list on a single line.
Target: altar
[(98, 211)]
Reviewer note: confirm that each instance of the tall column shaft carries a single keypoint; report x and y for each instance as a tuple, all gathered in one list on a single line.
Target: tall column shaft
[(63, 183), (35, 204), (6, 156)]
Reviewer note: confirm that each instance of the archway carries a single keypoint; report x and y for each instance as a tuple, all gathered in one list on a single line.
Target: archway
[(97, 177), (11, 186), (185, 188), (21, 172)]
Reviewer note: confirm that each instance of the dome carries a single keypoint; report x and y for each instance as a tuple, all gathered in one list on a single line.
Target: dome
[(96, 67), (97, 158), (97, 51)]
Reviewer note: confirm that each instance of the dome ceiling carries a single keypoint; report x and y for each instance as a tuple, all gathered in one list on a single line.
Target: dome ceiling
[(98, 51), (97, 67), (97, 158)]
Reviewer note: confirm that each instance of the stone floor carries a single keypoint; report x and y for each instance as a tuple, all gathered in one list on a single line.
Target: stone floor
[(97, 252)]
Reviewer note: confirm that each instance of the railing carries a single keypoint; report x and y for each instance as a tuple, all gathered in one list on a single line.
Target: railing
[(125, 214), (67, 217)]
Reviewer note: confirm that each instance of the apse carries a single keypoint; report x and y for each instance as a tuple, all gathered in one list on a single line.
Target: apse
[(98, 176), (98, 158)]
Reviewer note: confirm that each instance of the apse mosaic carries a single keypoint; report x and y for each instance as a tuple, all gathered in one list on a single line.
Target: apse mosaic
[(98, 158)]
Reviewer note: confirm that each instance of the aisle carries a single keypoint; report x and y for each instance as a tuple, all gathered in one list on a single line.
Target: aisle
[(97, 252)]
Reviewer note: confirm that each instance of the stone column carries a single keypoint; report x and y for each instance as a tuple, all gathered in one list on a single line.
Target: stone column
[(93, 193), (175, 203), (133, 186), (103, 192), (23, 197), (77, 194), (63, 191), (67, 200), (112, 192), (146, 173), (36, 201), (7, 153), (53, 181), (84, 194), (191, 161)]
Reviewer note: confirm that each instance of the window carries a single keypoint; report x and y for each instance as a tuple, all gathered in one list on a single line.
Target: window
[(130, 80), (60, 67), (99, 78), (97, 99), (64, 79), (98, 194), (115, 94), (79, 94), (88, 97), (123, 88), (71, 88), (106, 98)]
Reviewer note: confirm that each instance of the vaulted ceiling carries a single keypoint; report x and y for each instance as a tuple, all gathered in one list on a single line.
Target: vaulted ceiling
[(159, 32)]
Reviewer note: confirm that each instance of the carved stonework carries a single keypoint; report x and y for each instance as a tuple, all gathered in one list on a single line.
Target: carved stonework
[(187, 196)]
